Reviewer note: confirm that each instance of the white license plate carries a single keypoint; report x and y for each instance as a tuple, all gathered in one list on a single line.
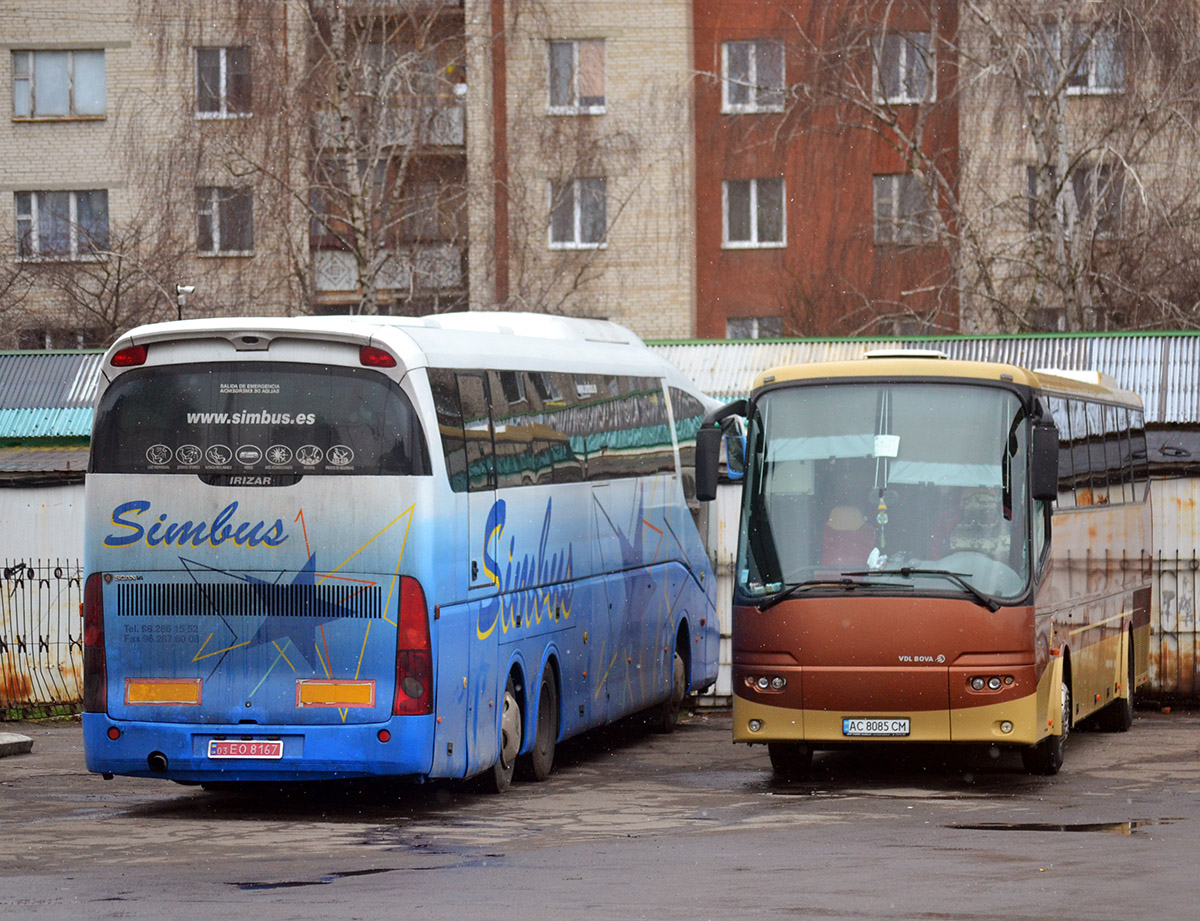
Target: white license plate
[(270, 749), (885, 727)]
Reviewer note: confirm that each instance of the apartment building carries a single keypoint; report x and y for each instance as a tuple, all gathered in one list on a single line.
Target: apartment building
[(581, 160)]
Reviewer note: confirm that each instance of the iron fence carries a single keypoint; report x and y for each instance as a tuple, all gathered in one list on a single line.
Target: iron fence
[(41, 635)]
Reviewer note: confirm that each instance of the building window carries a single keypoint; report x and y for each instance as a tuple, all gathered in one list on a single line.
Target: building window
[(577, 77), (754, 213), (222, 82), (903, 68), (578, 213), (224, 221), (58, 84), (1095, 58), (61, 225), (752, 75), (1098, 194), (754, 328), (902, 210)]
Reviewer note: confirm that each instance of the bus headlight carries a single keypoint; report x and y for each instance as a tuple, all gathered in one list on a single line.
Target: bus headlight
[(977, 684), (755, 725)]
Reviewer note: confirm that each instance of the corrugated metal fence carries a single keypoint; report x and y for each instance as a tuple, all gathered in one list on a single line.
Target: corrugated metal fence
[(41, 635)]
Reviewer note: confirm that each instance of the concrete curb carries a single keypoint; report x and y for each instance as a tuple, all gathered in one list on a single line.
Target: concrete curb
[(13, 744)]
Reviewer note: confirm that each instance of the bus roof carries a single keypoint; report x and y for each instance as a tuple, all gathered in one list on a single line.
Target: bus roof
[(927, 365), (484, 339)]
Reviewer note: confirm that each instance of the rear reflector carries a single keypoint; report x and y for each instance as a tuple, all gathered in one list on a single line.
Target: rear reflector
[(129, 357), (166, 692), (343, 694)]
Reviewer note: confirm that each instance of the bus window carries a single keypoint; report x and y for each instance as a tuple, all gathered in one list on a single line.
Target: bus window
[(513, 430), (1137, 439), (1066, 470), (1113, 475), (477, 430), (444, 385), (1096, 460), (237, 418)]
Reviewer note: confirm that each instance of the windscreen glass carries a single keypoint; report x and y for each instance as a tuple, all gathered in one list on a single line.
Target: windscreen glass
[(920, 485), (262, 418)]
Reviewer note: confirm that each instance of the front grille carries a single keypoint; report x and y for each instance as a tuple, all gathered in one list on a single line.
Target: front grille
[(242, 599)]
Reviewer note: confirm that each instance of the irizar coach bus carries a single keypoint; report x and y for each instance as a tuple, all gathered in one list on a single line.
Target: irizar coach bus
[(936, 551), (345, 547)]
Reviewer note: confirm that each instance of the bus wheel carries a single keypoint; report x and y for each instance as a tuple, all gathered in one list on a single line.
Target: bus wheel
[(1046, 757), (539, 762), (668, 711), (790, 759), (1118, 716), (499, 778)]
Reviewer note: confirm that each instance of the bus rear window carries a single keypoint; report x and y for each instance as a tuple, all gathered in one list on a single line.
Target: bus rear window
[(257, 418)]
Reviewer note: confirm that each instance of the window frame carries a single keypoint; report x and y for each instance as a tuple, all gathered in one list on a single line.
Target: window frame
[(754, 216), (578, 213), (576, 105), (755, 90), (756, 330), (222, 91), (27, 77), (32, 217), (904, 67), (209, 206), (898, 219), (1107, 38)]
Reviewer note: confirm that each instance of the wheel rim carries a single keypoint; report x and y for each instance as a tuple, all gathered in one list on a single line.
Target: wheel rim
[(510, 730), (1066, 711)]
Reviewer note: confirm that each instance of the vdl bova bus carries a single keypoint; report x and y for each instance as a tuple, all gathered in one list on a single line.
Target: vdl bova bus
[(345, 547), (936, 551)]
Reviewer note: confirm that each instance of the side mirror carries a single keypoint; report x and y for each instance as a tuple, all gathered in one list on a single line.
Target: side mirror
[(708, 449), (708, 457), (1043, 462)]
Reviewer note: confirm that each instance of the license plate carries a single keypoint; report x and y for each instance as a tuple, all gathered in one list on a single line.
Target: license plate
[(886, 727), (271, 749)]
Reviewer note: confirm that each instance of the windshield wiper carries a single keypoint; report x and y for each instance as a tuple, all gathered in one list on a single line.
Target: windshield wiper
[(796, 588), (959, 578)]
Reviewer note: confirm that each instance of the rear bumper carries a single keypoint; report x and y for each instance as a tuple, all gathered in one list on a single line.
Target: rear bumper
[(309, 752)]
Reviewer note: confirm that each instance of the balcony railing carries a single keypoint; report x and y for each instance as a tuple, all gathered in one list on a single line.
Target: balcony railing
[(427, 268)]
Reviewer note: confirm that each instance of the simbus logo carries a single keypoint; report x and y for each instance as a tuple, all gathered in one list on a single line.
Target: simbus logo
[(163, 532)]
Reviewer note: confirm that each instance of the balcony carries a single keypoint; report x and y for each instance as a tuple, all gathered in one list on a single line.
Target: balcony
[(430, 268)]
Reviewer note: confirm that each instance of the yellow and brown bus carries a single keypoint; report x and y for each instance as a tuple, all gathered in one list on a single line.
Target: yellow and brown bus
[(936, 551)]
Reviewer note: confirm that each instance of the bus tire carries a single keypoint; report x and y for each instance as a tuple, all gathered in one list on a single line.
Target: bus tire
[(668, 711), (538, 764), (1118, 715), (499, 778), (1046, 758), (790, 760)]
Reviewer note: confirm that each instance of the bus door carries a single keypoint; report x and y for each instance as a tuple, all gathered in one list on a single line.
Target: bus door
[(485, 694)]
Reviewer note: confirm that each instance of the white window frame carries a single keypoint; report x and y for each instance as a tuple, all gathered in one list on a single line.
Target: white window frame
[(211, 207), (24, 77), (33, 218), (755, 241), (575, 106), (223, 110), (1103, 40), (896, 218), (908, 54), (756, 331), (577, 206), (760, 94), (1095, 178)]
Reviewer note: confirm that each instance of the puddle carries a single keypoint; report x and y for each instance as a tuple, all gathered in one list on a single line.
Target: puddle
[(1105, 828)]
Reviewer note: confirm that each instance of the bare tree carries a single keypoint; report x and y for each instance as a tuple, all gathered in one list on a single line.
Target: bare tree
[(1051, 148)]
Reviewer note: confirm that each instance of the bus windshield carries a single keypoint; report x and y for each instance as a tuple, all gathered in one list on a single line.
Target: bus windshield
[(912, 487), (276, 419)]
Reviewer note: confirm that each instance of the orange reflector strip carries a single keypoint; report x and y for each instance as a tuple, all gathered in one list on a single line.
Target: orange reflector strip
[(172, 692), (319, 692)]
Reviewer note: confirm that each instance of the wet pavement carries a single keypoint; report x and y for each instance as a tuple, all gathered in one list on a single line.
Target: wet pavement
[(631, 825)]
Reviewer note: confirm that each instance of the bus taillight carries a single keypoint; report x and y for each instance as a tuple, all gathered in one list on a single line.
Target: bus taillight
[(129, 357), (95, 665), (373, 357), (414, 657)]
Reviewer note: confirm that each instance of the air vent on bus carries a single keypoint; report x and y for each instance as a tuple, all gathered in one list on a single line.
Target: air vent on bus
[(241, 599), (905, 353)]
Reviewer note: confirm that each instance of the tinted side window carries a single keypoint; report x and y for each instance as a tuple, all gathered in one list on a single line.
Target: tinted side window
[(477, 430), (1066, 470), (1137, 440), (444, 386)]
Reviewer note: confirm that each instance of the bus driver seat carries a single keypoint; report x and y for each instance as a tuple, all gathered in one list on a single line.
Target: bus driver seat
[(846, 539)]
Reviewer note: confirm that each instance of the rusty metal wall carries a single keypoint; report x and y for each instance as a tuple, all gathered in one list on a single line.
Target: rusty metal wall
[(1174, 642), (41, 634)]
